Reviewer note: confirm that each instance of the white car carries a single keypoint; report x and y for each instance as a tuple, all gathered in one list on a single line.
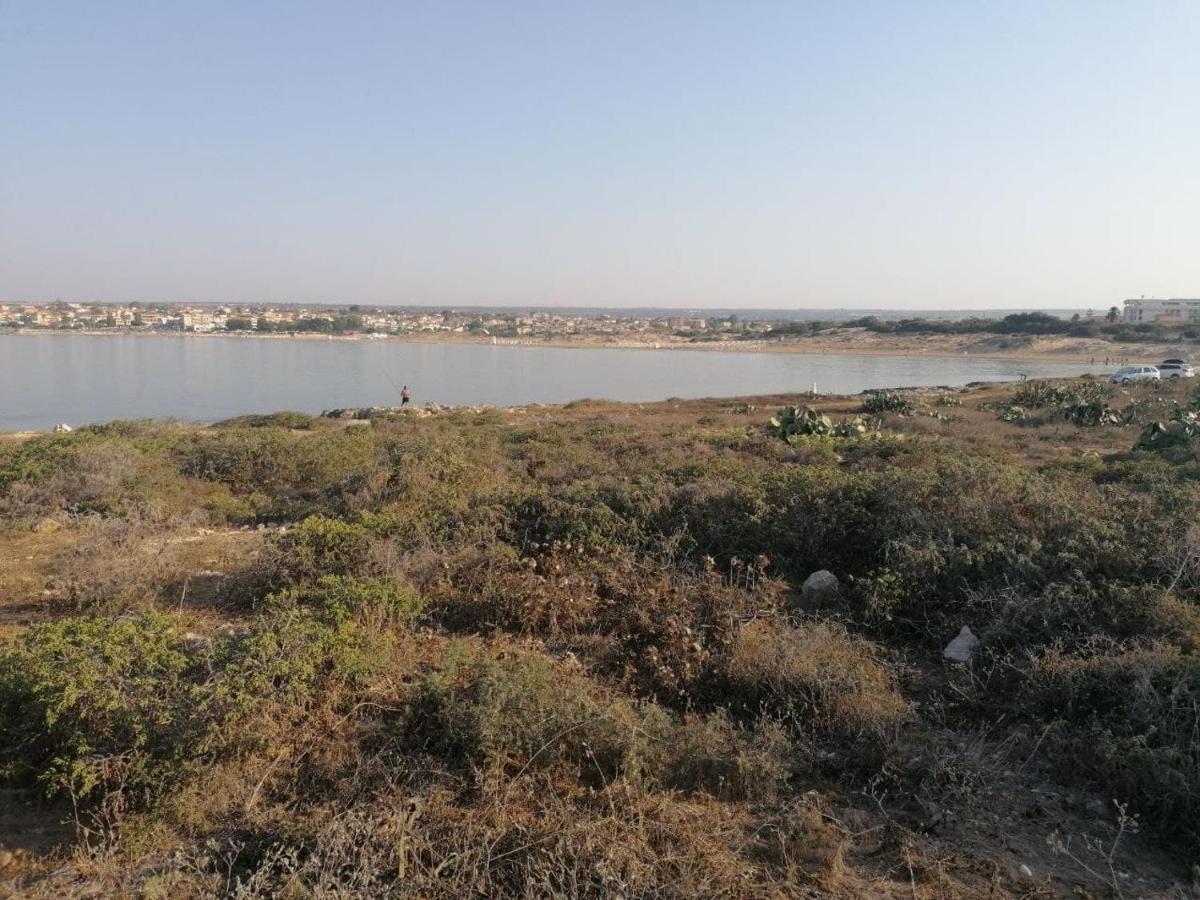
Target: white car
[(1175, 368), (1128, 374)]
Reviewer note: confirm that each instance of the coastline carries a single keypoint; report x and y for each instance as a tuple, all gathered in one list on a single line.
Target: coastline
[(840, 342)]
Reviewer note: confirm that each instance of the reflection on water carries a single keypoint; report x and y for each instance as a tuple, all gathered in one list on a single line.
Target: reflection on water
[(47, 379)]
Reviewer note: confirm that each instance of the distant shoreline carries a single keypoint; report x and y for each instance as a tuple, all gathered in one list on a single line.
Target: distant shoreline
[(838, 342)]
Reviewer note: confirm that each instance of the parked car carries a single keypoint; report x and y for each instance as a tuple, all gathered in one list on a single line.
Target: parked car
[(1127, 374), (1175, 368)]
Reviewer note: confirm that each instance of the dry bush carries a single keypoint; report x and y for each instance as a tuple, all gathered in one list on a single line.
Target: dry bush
[(493, 588), (825, 684), (803, 842), (534, 838), (651, 627), (119, 564), (518, 709), (1129, 719), (665, 632), (715, 755)]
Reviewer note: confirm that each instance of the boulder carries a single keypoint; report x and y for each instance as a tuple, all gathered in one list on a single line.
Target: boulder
[(820, 587), (962, 648)]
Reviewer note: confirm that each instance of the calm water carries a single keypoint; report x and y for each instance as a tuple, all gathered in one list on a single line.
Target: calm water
[(77, 379)]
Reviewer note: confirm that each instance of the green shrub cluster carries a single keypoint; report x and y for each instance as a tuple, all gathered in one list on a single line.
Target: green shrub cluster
[(879, 402), (133, 705)]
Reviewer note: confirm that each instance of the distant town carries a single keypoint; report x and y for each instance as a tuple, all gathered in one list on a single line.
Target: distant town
[(1142, 318), (355, 319)]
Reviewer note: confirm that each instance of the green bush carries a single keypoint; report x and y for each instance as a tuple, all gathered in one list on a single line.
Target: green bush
[(94, 703), (284, 419), (338, 599), (878, 402), (282, 661), (39, 457), (795, 422), (800, 421), (131, 705), (1134, 722), (320, 546)]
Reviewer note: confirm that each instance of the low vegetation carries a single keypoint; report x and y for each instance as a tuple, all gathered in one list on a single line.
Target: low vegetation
[(582, 651)]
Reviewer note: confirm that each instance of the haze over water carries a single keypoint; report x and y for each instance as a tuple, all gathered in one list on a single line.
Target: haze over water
[(79, 379)]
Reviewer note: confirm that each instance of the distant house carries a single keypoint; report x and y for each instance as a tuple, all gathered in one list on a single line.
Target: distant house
[(1165, 312), (194, 320)]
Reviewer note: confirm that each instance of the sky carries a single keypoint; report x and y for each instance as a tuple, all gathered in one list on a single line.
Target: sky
[(957, 154)]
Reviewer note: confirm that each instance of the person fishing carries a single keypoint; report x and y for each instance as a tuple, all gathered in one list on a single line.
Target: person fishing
[(405, 395)]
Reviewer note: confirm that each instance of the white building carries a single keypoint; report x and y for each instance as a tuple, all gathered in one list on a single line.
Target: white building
[(1166, 312)]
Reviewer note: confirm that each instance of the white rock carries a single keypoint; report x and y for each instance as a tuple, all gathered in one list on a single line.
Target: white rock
[(962, 648), (1025, 870), (820, 586), (64, 428)]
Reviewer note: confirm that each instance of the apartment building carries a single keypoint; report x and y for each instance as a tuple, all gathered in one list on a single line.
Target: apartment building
[(1166, 312)]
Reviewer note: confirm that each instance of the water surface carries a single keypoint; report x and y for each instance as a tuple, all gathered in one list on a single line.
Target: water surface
[(49, 378)]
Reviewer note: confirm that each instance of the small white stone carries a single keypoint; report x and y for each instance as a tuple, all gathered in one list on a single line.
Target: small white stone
[(962, 648)]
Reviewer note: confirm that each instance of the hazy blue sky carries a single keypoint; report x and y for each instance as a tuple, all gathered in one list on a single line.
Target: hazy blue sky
[(786, 154)]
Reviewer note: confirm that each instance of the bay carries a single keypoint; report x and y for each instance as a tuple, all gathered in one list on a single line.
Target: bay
[(76, 379)]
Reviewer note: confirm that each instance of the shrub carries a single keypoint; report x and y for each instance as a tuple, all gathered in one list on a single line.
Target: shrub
[(245, 460), (129, 706), (338, 599), (1074, 395), (822, 683), (878, 402), (284, 419), (95, 703), (1134, 717), (39, 457), (523, 711), (794, 422), (1091, 413), (117, 565), (281, 662), (715, 755), (319, 546)]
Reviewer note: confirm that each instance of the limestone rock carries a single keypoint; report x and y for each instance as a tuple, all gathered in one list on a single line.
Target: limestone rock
[(962, 648), (820, 587)]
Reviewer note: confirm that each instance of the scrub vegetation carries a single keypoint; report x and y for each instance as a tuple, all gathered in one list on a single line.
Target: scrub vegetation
[(576, 651)]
